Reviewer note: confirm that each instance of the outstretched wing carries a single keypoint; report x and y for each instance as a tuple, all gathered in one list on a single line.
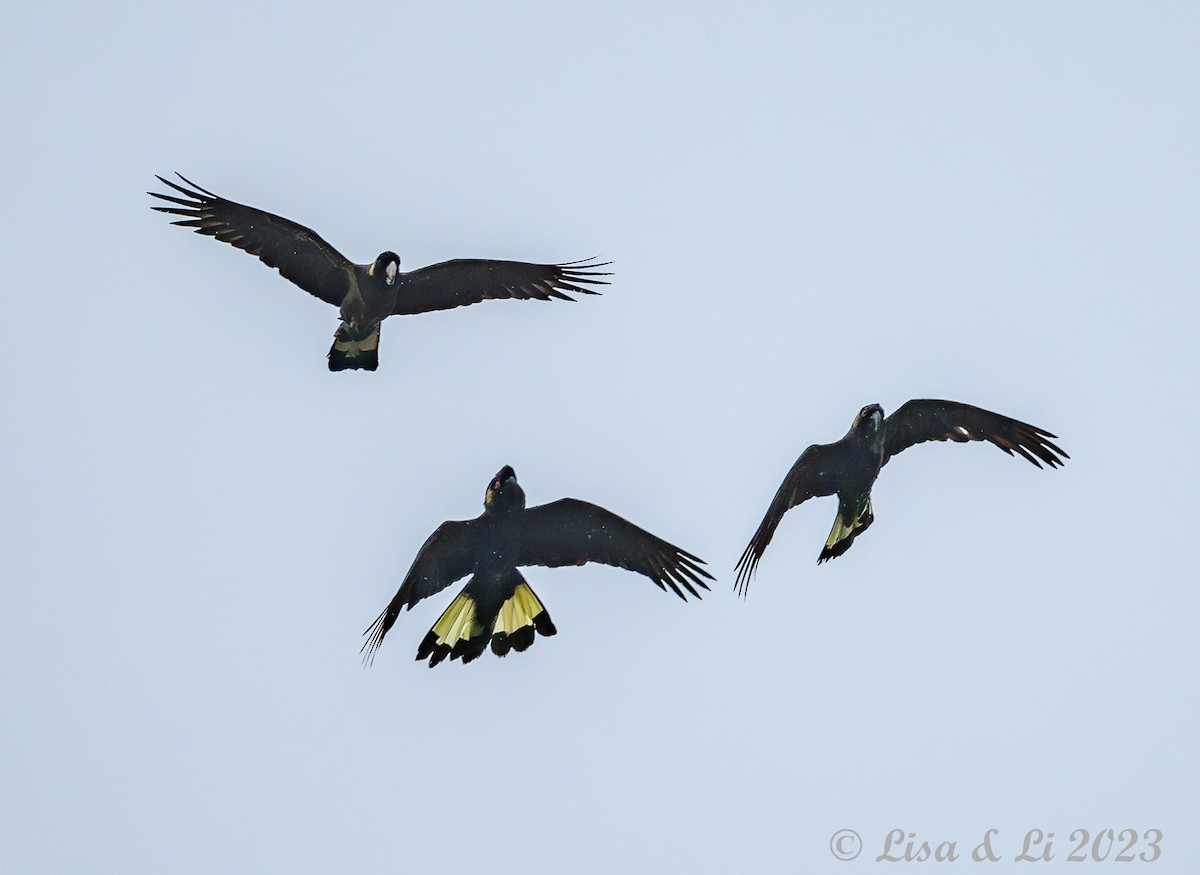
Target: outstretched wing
[(929, 420), (471, 280), (813, 474), (446, 556), (297, 252), (571, 532)]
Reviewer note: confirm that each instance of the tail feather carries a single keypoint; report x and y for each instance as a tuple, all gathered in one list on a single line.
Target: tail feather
[(354, 350), (520, 617), (449, 636), (845, 531), (463, 633)]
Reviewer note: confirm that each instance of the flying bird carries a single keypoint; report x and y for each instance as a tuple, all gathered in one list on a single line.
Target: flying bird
[(848, 468), (497, 605), (366, 294)]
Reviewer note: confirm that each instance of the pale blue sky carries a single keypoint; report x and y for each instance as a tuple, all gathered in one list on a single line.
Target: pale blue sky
[(809, 207)]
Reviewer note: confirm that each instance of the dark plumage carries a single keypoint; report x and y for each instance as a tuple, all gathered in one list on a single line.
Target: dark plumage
[(849, 467), (366, 294), (497, 605)]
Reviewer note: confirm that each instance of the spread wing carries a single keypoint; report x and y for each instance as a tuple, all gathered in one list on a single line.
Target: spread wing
[(929, 420), (297, 252), (446, 556), (471, 280), (571, 532), (812, 475)]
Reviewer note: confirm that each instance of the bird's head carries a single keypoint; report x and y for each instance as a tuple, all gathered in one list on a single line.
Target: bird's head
[(869, 419), (388, 264), (504, 492)]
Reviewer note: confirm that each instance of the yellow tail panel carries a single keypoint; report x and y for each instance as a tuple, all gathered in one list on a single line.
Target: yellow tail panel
[(458, 622), (350, 347), (519, 611), (349, 353), (843, 530)]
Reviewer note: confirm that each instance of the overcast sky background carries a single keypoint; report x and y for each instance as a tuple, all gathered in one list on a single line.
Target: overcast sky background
[(809, 207)]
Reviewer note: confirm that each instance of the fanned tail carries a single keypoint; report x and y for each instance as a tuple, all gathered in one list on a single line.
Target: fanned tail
[(465, 628), (353, 350)]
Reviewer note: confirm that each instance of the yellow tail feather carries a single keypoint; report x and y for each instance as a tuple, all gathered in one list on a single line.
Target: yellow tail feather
[(843, 533), (519, 611), (458, 622), (462, 633), (521, 619)]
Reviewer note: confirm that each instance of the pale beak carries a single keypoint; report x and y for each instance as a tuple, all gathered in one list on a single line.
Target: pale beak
[(391, 272)]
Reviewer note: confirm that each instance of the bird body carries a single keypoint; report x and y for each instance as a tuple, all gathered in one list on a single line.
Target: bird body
[(366, 304), (497, 605), (366, 294), (849, 471), (848, 468)]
